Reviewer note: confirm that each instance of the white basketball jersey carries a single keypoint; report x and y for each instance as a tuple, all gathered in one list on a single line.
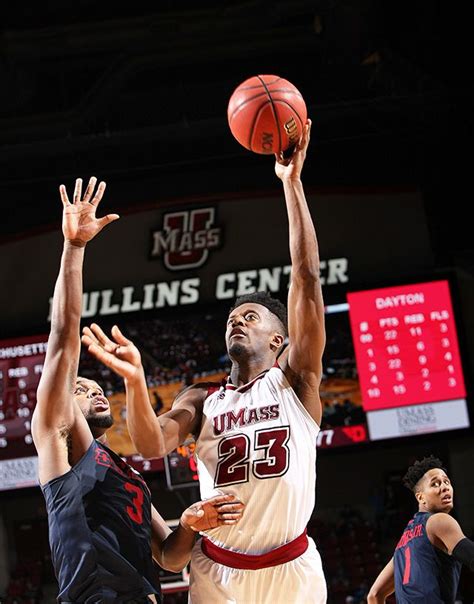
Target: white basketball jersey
[(258, 442)]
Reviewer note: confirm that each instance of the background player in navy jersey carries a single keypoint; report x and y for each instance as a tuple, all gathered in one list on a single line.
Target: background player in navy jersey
[(103, 529), (256, 432), (426, 565)]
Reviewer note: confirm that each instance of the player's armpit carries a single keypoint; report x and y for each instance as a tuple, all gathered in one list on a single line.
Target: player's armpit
[(60, 447), (159, 436), (306, 386), (191, 400), (184, 418), (464, 552)]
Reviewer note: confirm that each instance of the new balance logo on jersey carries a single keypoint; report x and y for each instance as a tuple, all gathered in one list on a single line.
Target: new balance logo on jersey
[(103, 458), (225, 422), (186, 238)]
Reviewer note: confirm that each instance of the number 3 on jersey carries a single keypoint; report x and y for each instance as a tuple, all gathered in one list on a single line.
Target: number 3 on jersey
[(135, 511), (234, 452)]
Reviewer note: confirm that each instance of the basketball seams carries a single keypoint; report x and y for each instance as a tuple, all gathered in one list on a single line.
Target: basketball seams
[(288, 104), (258, 113), (275, 114), (254, 121), (246, 101), (256, 85), (287, 90), (263, 94)]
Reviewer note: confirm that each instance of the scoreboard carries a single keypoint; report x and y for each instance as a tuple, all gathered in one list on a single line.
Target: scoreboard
[(406, 345), (21, 364), (407, 354)]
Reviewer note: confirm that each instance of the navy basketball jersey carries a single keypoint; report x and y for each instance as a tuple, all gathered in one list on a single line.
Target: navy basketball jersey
[(99, 516), (423, 573)]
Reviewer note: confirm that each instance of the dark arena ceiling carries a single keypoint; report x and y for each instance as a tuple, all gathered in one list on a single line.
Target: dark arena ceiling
[(136, 93)]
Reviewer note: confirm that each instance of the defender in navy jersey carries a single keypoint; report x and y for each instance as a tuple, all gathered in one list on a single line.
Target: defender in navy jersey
[(426, 565), (103, 530)]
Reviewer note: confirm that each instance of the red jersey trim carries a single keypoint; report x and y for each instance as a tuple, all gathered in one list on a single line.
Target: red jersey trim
[(246, 386), (280, 555)]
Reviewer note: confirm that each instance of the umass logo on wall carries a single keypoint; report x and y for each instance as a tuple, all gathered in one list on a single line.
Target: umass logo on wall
[(186, 238)]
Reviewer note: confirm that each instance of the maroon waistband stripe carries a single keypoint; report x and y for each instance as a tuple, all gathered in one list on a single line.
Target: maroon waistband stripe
[(280, 555)]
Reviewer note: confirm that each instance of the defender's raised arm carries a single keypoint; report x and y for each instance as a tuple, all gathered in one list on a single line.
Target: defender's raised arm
[(55, 412)]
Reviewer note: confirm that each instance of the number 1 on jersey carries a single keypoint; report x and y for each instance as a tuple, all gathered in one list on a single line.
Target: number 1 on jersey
[(406, 572)]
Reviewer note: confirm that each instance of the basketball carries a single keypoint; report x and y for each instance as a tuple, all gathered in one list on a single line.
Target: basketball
[(266, 114)]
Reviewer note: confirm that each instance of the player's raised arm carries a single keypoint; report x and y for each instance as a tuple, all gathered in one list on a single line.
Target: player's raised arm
[(302, 361), (152, 436), (55, 412)]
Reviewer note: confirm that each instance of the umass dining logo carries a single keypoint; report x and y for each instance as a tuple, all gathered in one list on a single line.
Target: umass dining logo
[(186, 238)]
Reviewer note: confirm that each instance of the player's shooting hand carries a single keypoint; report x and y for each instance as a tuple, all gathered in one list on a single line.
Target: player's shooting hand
[(290, 168), (118, 353), (216, 511), (80, 224)]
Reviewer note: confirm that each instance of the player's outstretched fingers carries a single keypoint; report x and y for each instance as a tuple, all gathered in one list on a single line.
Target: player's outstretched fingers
[(77, 190), (100, 334), (102, 222), (94, 347), (99, 194), (103, 340), (306, 135), (231, 507), (86, 340), (90, 189), (119, 337), (222, 522), (88, 337), (230, 513), (221, 499), (64, 197)]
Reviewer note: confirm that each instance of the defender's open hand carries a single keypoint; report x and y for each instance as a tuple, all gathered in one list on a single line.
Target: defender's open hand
[(119, 353), (216, 511), (80, 224)]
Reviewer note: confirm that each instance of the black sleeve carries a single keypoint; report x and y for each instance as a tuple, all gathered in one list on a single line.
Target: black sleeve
[(464, 552)]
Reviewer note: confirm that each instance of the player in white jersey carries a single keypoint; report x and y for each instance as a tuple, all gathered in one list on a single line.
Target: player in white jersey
[(256, 433)]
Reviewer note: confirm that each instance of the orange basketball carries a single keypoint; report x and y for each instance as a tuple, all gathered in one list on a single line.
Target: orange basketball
[(266, 114)]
